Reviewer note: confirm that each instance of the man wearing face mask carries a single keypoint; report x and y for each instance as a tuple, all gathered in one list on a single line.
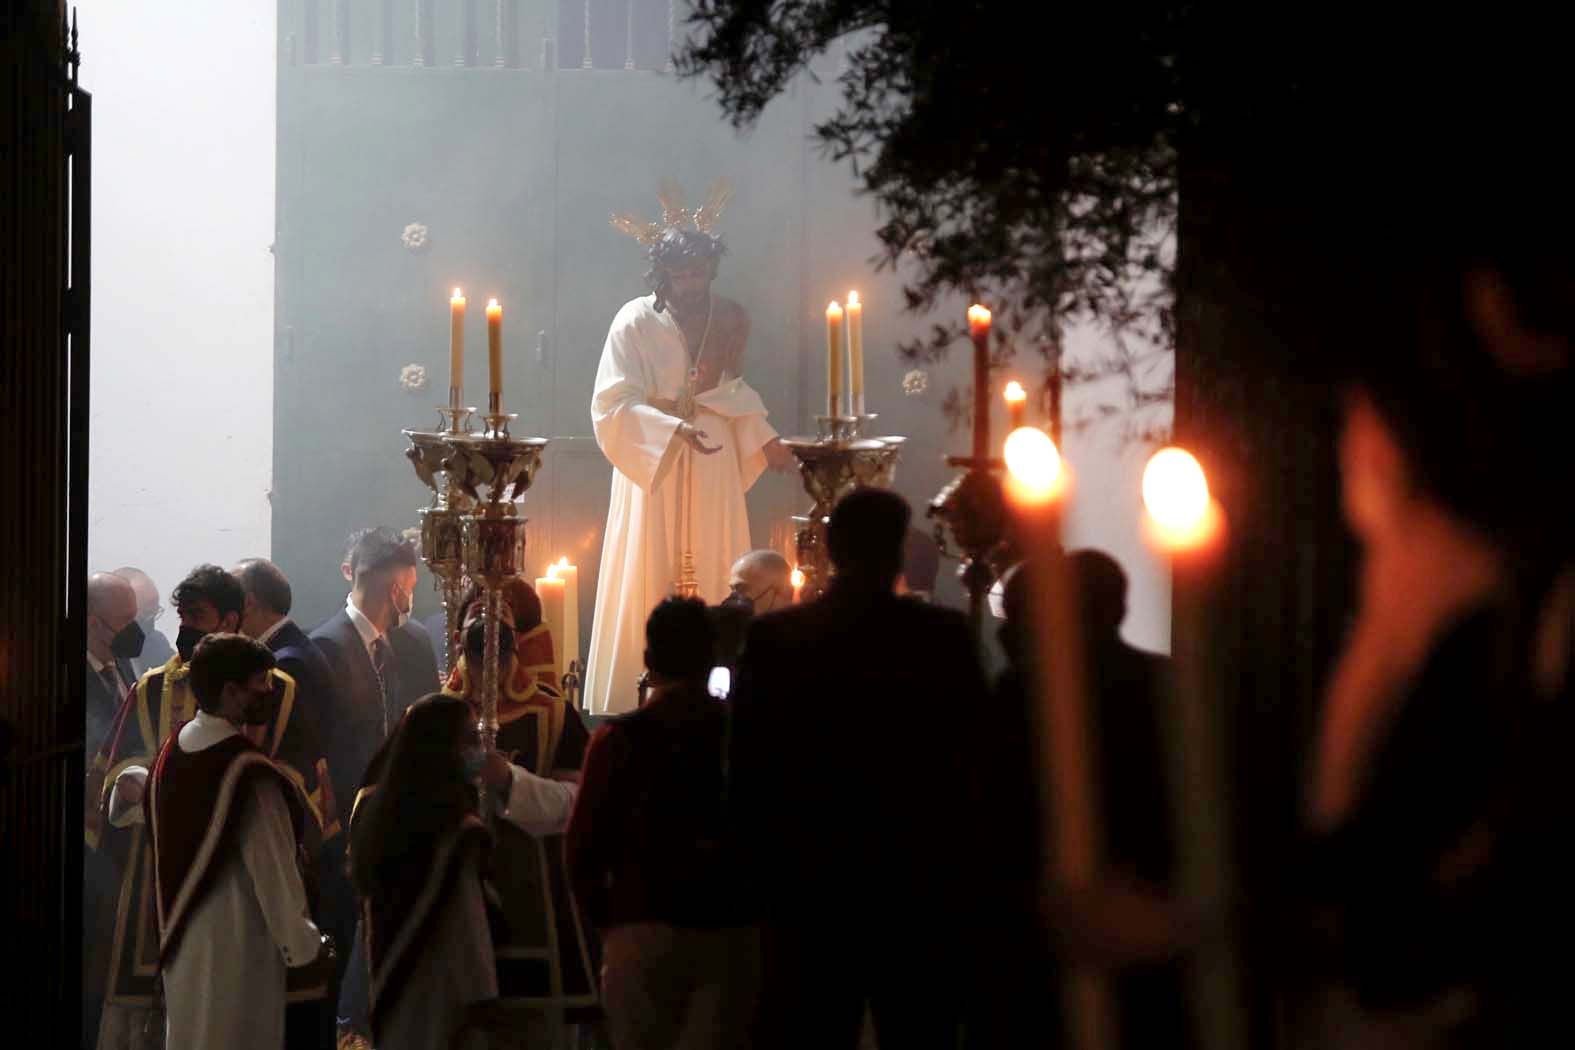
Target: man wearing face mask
[(156, 648), (760, 582), (379, 663), (208, 600), (114, 639), (226, 827)]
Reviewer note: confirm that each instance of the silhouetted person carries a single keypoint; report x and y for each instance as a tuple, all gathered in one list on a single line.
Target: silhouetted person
[(1031, 924), (858, 722), (1440, 790), (651, 858)]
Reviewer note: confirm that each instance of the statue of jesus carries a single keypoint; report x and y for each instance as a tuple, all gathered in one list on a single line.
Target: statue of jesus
[(687, 437)]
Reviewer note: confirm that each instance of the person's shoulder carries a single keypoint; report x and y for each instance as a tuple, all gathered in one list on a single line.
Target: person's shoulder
[(936, 617), (333, 628)]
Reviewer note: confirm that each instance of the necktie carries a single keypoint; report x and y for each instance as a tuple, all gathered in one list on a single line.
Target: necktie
[(111, 678), (387, 677)]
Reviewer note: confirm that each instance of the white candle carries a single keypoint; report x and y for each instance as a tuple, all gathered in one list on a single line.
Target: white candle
[(550, 590), (569, 648), (855, 312), (456, 340), (495, 348)]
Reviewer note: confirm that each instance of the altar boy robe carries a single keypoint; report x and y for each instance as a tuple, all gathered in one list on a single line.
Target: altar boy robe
[(644, 362)]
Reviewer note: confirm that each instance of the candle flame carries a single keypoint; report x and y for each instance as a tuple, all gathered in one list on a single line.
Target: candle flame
[(834, 310), (458, 294), (1176, 496), (1033, 466), (555, 570), (853, 298), (797, 577), (1015, 392), (978, 317)]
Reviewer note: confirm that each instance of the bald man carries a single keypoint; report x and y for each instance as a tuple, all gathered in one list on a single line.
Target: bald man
[(156, 649), (760, 582), (113, 639)]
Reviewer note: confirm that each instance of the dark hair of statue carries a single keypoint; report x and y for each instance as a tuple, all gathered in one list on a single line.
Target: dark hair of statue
[(223, 659), (422, 795), (676, 248), (211, 584)]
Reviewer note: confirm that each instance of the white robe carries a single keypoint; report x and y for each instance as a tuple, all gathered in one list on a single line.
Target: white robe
[(644, 360), (225, 983)]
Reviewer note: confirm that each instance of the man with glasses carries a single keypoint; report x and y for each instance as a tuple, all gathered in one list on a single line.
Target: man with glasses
[(156, 648), (759, 582)]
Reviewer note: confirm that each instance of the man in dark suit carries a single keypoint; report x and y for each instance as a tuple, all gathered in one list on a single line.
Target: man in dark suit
[(380, 663), (114, 639), (857, 722), (156, 649)]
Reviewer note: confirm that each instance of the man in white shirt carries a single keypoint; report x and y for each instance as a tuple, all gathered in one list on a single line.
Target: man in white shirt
[(226, 827)]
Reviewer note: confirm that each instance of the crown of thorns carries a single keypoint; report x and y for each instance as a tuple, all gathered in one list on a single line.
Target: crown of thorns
[(674, 215)]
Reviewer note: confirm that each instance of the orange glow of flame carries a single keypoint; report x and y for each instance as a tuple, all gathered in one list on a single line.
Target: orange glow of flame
[(1176, 495), (494, 308), (978, 319), (459, 296), (557, 568), (853, 299), (1033, 467), (797, 577), (1015, 394), (834, 310)]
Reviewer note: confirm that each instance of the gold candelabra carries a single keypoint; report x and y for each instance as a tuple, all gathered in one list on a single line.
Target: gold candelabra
[(831, 465)]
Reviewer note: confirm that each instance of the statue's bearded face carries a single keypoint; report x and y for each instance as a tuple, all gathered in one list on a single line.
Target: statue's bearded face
[(690, 283)]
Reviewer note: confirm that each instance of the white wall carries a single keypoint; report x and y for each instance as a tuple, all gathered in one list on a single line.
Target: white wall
[(183, 203)]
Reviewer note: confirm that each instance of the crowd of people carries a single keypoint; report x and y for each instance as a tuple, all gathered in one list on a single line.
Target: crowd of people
[(297, 839)]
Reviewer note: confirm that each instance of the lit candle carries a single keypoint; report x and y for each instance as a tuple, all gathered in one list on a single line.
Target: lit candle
[(979, 331), (798, 582), (1016, 401), (856, 351), (1186, 525), (568, 648), (550, 589), (456, 346), (495, 350), (833, 359)]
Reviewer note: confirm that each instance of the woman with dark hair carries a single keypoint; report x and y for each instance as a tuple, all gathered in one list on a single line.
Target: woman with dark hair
[(417, 847), (1437, 790)]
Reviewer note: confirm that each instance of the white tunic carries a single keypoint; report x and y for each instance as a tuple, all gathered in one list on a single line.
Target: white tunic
[(645, 360), (225, 984)]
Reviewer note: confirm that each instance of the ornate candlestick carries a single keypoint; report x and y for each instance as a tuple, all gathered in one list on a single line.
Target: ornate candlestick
[(493, 532), (831, 466), (442, 542)]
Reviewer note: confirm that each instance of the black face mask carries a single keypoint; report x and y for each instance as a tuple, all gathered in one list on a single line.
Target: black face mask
[(476, 640), (186, 642), (740, 601), (127, 643)]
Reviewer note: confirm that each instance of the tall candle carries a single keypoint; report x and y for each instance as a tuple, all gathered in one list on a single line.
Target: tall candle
[(568, 648), (456, 344), (550, 590), (856, 351), (834, 359), (979, 330), (495, 348)]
